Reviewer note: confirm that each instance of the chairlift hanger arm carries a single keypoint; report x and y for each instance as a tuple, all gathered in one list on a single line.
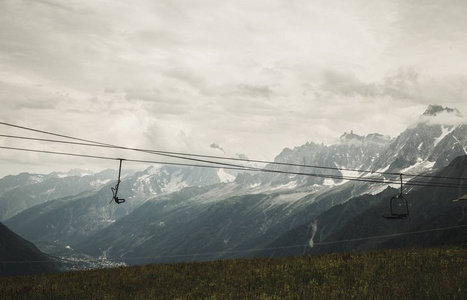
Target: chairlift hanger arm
[(115, 189), (400, 194)]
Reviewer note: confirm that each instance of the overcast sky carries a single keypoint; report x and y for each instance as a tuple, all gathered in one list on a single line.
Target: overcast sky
[(253, 77)]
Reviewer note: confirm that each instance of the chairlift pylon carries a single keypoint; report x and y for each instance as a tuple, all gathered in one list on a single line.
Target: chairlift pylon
[(115, 189), (399, 207)]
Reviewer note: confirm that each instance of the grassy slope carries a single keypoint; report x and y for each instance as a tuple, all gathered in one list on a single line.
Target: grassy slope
[(389, 274)]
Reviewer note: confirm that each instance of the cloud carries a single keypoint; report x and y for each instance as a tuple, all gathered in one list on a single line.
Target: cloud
[(453, 118), (431, 19), (167, 110), (254, 76), (216, 146), (160, 102), (150, 95), (36, 103), (346, 84), (185, 75), (248, 107), (17, 97), (402, 84), (59, 5), (262, 91), (156, 38)]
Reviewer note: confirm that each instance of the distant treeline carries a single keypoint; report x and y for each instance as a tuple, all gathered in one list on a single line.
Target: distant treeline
[(437, 273)]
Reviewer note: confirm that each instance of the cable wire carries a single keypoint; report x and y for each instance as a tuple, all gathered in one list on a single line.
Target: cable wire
[(182, 155), (176, 156), (303, 245), (242, 168), (271, 248)]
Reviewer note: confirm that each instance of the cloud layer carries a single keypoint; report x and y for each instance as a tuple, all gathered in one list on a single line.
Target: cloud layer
[(252, 76)]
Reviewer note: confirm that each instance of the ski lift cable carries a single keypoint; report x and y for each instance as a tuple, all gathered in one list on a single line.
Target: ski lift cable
[(181, 155), (241, 168), (269, 248), (214, 162), (194, 165), (126, 148), (93, 143), (413, 182), (167, 153), (114, 158), (222, 164), (302, 245)]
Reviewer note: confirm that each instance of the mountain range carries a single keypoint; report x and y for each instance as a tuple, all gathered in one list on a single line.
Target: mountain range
[(187, 213)]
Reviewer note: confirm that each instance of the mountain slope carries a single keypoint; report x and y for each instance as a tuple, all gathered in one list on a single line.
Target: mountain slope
[(206, 223), (360, 219), (68, 220), (314, 231), (32, 189), (20, 257)]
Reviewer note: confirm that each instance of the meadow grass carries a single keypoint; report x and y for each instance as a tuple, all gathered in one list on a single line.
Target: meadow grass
[(432, 273)]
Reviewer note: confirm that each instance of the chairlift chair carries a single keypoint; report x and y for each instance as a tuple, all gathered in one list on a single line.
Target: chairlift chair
[(398, 206)]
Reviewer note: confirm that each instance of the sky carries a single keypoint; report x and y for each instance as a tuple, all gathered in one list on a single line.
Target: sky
[(221, 78)]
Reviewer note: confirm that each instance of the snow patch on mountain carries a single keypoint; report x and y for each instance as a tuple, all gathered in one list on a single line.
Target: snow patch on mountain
[(329, 182), (254, 185), (149, 172), (71, 173), (384, 169), (175, 183), (98, 183), (463, 148), (153, 170), (377, 188), (48, 192), (224, 176), (350, 174), (420, 167), (36, 178), (445, 131), (287, 186), (288, 198)]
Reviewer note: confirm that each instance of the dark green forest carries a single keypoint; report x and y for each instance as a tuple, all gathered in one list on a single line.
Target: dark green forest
[(416, 273)]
